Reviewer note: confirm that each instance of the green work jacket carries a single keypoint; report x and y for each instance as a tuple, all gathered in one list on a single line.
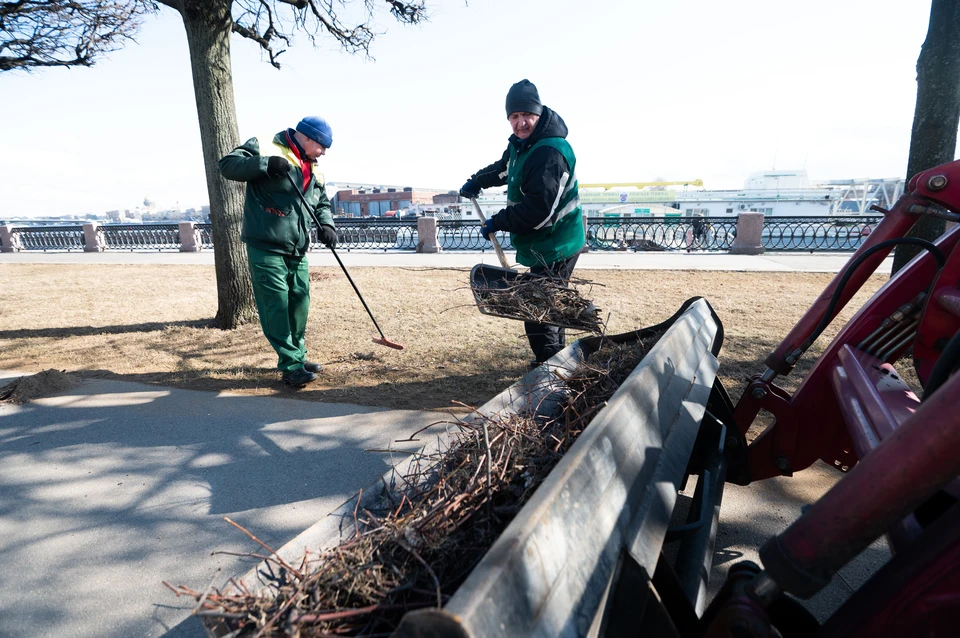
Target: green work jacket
[(560, 235), (274, 217)]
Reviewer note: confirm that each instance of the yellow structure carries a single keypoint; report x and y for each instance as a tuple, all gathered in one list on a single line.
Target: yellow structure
[(692, 182)]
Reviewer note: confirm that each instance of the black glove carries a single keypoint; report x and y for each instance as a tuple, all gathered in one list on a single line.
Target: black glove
[(327, 235), (277, 166), (470, 189)]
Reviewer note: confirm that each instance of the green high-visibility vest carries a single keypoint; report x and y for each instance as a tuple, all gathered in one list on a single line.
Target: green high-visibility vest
[(560, 235)]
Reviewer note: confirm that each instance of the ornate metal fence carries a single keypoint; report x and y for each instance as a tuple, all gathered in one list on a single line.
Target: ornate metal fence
[(660, 233), (206, 235), (377, 234), (141, 236), (458, 235), (817, 233), (603, 233), (49, 237)]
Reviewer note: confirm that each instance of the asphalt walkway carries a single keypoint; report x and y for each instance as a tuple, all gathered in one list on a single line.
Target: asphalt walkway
[(113, 487), (607, 260)]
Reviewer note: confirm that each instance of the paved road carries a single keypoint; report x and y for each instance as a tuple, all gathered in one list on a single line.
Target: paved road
[(769, 262)]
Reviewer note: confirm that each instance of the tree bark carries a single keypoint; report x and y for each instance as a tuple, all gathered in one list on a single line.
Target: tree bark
[(208, 26), (937, 113)]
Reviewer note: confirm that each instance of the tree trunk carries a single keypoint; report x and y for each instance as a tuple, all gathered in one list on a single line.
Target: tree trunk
[(208, 24), (937, 114)]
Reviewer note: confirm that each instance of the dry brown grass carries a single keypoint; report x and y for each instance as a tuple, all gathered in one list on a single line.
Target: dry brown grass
[(149, 324)]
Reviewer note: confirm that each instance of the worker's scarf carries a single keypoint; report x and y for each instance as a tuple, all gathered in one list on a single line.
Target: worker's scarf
[(300, 154)]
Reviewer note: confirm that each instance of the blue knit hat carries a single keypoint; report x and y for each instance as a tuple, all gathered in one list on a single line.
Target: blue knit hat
[(317, 129)]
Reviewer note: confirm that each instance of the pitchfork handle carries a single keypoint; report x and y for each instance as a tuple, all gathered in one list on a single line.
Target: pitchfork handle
[(493, 238)]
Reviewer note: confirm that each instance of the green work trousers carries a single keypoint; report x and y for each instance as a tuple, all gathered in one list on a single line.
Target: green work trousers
[(281, 287)]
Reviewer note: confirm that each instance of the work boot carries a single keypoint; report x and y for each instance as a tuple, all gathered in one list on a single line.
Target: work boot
[(534, 364), (297, 378), (310, 366)]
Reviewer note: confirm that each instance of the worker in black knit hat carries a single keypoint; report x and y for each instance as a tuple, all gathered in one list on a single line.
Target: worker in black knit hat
[(276, 230), (543, 214)]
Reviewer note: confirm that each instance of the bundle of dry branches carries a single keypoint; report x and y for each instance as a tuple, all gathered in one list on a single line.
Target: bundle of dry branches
[(417, 553), (599, 376), (540, 300)]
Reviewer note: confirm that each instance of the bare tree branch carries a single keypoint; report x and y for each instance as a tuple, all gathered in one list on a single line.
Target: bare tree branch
[(254, 14), (46, 33), (408, 12), (267, 21)]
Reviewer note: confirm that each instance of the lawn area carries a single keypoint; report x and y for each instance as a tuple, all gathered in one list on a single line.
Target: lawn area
[(150, 324)]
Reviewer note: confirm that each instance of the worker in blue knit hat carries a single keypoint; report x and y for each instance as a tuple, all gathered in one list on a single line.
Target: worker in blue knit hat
[(276, 231), (543, 214)]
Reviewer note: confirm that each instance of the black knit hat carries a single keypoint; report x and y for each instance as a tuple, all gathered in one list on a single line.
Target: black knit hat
[(523, 98)]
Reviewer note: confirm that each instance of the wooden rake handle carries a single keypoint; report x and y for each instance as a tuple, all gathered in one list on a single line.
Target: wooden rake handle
[(493, 238)]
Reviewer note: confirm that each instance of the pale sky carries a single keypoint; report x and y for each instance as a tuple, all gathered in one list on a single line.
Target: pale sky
[(649, 89)]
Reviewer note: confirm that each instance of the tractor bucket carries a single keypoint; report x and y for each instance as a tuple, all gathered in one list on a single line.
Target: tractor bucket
[(587, 545), (603, 513)]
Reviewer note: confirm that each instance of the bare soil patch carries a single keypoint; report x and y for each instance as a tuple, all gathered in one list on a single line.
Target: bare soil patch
[(35, 386), (151, 324)]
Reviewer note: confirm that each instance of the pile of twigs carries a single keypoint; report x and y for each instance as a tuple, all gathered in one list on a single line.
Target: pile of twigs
[(540, 300), (417, 553), (599, 376)]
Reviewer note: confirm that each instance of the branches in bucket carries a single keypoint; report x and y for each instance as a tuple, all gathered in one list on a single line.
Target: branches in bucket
[(540, 300), (417, 546)]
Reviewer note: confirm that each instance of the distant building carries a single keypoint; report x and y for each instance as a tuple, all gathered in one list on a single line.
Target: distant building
[(122, 216), (168, 215), (450, 197), (376, 202)]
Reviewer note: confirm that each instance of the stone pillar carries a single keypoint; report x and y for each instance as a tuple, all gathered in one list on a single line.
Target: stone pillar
[(749, 234), (9, 242), (427, 232), (92, 239), (189, 237)]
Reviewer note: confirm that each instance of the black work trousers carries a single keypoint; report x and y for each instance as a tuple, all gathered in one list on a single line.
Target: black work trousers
[(546, 341)]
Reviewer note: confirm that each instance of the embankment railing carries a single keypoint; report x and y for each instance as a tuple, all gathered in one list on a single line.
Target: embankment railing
[(141, 236), (603, 233)]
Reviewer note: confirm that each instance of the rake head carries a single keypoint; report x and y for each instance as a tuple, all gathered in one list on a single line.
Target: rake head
[(389, 344)]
